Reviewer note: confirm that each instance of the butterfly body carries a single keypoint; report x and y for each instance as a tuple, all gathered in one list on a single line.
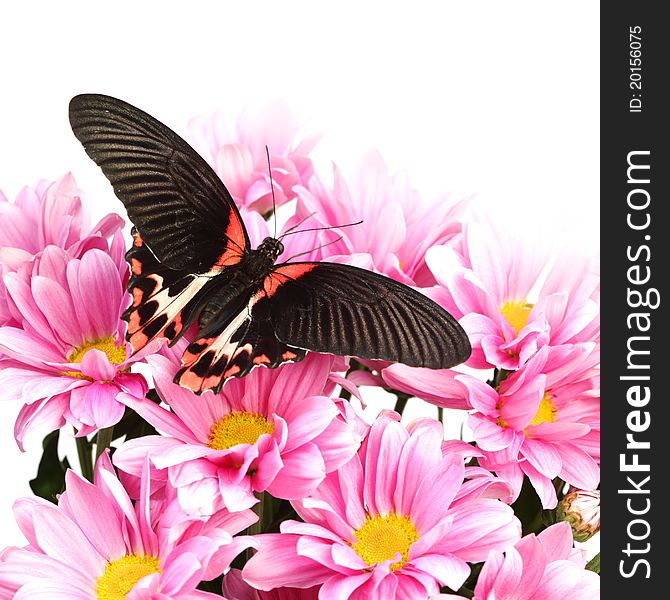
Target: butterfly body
[(191, 263)]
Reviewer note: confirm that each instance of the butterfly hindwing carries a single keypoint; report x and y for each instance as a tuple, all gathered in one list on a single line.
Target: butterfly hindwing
[(231, 348), (164, 301), (177, 202), (341, 309)]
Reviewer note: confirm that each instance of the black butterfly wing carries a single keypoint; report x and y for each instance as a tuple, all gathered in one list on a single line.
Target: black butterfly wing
[(181, 208), (341, 309)]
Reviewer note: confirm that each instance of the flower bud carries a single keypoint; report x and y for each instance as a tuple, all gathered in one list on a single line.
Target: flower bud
[(582, 510)]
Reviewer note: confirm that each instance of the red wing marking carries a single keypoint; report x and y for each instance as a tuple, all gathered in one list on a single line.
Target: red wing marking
[(235, 246), (283, 274)]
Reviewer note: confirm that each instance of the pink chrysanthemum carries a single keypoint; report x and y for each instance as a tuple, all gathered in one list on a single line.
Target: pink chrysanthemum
[(97, 544), (51, 213), (274, 430), (487, 284), (398, 225), (394, 521), (542, 567), (237, 153), (67, 359), (235, 588), (543, 421)]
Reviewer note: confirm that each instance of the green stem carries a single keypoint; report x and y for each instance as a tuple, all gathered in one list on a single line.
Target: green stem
[(84, 454), (264, 511), (103, 440), (440, 414), (401, 401)]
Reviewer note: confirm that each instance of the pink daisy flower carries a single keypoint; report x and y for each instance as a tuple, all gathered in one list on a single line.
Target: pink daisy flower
[(235, 588), (274, 430), (543, 421), (391, 523), (67, 359), (51, 213), (237, 153), (398, 225), (487, 284), (97, 543), (542, 567)]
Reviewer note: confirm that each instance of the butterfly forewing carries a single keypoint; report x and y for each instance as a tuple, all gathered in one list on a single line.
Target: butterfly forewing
[(180, 206), (342, 309)]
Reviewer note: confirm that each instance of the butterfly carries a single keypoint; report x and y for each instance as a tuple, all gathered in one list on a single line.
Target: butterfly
[(191, 262)]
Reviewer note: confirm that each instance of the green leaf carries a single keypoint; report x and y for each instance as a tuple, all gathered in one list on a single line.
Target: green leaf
[(50, 479), (213, 586), (528, 508), (594, 564)]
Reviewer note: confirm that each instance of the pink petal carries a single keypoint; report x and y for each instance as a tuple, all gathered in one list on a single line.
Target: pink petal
[(303, 470), (96, 365), (277, 564), (101, 291), (435, 494), (557, 540), (90, 509), (448, 570), (307, 419), (58, 536), (420, 455), (543, 485), (160, 418), (339, 587), (579, 468), (16, 343), (480, 526), (440, 387), (543, 456)]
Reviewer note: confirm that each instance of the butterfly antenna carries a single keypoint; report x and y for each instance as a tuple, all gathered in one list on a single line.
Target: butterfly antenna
[(272, 189), (298, 224), (289, 232), (314, 249)]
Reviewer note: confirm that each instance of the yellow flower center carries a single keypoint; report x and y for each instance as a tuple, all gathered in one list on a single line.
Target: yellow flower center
[(381, 538), (516, 312), (122, 574), (115, 354), (238, 428), (546, 413)]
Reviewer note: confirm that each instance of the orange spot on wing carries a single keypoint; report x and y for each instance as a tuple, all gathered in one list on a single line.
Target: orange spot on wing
[(137, 296), (282, 274), (288, 355), (232, 371), (138, 340), (135, 266), (133, 322), (137, 239), (189, 358), (191, 381), (261, 360)]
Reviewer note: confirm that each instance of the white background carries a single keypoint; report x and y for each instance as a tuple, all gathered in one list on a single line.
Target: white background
[(495, 98)]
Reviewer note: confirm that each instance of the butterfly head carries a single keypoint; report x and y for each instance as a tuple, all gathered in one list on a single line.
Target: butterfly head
[(271, 248)]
